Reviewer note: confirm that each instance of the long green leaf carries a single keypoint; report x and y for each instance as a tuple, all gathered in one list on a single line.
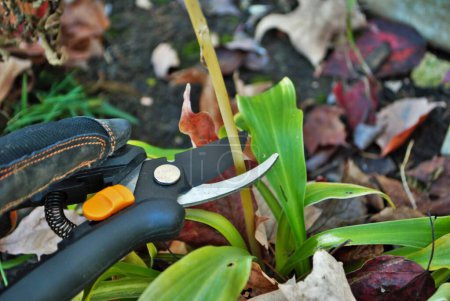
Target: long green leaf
[(440, 276), (208, 273), (411, 233), (218, 222), (442, 294), (320, 191), (441, 256), (275, 125), (121, 269), (156, 152), (120, 289)]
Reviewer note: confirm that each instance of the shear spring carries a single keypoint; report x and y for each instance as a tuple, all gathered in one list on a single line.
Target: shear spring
[(54, 214)]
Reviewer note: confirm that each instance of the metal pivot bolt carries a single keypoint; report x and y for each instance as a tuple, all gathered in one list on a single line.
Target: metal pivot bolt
[(167, 174)]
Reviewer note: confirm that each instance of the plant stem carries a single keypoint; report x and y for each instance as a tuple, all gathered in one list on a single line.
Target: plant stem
[(209, 56)]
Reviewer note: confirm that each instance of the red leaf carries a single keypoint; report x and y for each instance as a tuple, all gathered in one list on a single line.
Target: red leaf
[(391, 278), (199, 126), (324, 128), (407, 49), (359, 101)]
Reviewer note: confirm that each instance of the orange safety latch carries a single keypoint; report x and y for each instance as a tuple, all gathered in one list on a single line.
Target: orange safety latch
[(107, 202)]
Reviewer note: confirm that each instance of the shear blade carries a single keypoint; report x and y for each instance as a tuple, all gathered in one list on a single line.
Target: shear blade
[(207, 192)]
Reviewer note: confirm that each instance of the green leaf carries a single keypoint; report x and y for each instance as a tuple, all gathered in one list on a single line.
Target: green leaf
[(135, 259), (442, 294), (275, 125), (218, 222), (156, 152), (208, 273), (411, 233), (440, 276), (121, 269), (120, 289), (152, 252), (441, 256), (320, 191)]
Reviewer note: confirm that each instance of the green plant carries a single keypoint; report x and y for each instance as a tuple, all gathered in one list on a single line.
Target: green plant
[(275, 125), (65, 99)]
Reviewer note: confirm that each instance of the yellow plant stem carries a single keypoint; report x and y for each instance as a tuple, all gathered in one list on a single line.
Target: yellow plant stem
[(209, 56)]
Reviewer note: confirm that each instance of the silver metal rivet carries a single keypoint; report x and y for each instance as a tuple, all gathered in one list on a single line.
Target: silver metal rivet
[(167, 174)]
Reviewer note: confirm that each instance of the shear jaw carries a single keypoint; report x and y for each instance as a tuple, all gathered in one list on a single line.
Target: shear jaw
[(207, 192)]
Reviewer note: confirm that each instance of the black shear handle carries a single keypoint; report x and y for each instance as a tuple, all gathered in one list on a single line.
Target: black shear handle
[(64, 274)]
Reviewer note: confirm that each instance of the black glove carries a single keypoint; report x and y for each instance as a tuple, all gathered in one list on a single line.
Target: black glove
[(34, 157)]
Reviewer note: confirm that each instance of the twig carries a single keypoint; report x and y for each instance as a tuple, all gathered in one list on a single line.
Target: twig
[(403, 175), (210, 59), (432, 240)]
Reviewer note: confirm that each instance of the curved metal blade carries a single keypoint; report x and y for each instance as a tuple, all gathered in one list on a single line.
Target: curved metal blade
[(207, 192), (204, 163)]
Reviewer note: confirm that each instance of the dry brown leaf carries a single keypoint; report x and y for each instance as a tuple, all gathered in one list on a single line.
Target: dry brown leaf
[(324, 128), (312, 25), (436, 174), (400, 119), (353, 175), (34, 236), (428, 171), (258, 283), (82, 25), (9, 70), (354, 254), (327, 281), (164, 57), (392, 214)]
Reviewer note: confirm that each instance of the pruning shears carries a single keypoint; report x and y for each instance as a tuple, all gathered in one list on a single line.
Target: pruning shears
[(138, 200)]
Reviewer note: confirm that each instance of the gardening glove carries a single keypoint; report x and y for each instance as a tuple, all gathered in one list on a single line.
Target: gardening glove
[(33, 158)]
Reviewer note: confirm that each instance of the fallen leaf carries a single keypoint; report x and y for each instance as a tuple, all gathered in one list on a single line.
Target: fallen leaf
[(392, 214), (435, 174), (359, 101), (312, 25), (391, 278), (327, 281), (319, 158), (258, 283), (407, 48), (199, 126), (354, 254), (430, 72), (82, 25), (144, 4), (34, 236), (400, 119), (428, 171), (364, 135), (395, 190), (324, 128), (353, 175), (255, 57), (9, 70), (164, 57)]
